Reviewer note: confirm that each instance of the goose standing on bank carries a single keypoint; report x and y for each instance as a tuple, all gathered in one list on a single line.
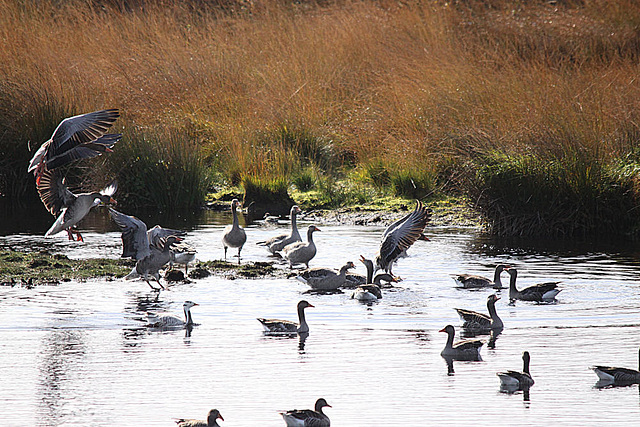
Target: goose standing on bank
[(542, 292), (212, 420), (480, 322), (69, 208), (307, 417), (400, 235), (234, 236), (512, 380), (172, 321), (287, 326), (462, 350), (277, 243), (75, 138), (325, 279), (618, 376), (471, 281), (301, 252)]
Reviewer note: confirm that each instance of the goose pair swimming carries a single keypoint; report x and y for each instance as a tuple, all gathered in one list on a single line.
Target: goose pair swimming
[(277, 243)]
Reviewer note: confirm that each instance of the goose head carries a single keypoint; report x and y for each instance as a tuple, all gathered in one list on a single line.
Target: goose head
[(295, 210), (188, 304), (492, 298), (321, 403), (214, 414), (304, 304), (448, 329)]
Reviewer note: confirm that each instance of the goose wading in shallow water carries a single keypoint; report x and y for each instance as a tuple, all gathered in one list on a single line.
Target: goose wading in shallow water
[(471, 281), (287, 326), (172, 321), (325, 279), (618, 376), (69, 208), (212, 420), (277, 243), (307, 417), (462, 350), (513, 380), (182, 253), (479, 322), (234, 236), (371, 290), (301, 252), (542, 292), (400, 235), (75, 138)]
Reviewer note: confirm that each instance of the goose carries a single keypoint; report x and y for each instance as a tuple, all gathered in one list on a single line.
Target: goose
[(270, 219), (69, 208), (542, 292), (301, 252), (75, 138), (324, 279), (182, 253), (400, 235), (371, 290), (212, 420), (480, 322), (462, 350), (287, 326), (513, 380), (618, 376), (172, 321), (277, 243), (307, 417), (160, 255), (472, 281), (234, 236)]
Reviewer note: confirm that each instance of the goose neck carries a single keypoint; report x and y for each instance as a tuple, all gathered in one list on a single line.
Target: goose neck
[(450, 339), (187, 315), (525, 368), (496, 276)]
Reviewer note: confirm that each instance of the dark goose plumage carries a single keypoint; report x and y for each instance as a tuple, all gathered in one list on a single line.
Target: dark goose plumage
[(307, 417), (514, 380), (212, 420), (542, 292), (618, 376), (462, 350), (480, 322), (287, 326)]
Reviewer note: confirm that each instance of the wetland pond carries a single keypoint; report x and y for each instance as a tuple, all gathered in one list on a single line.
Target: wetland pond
[(78, 353)]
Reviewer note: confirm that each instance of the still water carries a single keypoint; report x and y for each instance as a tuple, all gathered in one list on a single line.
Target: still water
[(78, 354)]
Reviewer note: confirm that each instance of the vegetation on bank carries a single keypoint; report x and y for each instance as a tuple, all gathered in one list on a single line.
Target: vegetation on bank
[(527, 108)]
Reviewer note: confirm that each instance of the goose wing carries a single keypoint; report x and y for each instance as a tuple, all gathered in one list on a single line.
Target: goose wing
[(467, 345), (402, 234), (135, 243), (539, 290), (84, 151), (473, 318), (54, 193), (158, 232)]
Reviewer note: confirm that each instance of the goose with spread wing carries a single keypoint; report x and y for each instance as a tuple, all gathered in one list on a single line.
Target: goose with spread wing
[(308, 417)]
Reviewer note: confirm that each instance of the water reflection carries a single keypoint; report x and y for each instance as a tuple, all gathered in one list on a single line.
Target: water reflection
[(302, 339), (514, 389)]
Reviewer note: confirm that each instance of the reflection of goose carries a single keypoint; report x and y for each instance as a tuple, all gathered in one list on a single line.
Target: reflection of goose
[(169, 321), (212, 420), (277, 243), (472, 281), (462, 350), (301, 252), (513, 380), (618, 376), (325, 279), (287, 326), (69, 208), (479, 322), (542, 292), (307, 417), (234, 236), (400, 235)]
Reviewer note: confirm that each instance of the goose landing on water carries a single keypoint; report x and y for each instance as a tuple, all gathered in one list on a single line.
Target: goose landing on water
[(307, 417), (511, 381), (277, 326), (172, 321), (212, 420), (618, 376), (542, 292)]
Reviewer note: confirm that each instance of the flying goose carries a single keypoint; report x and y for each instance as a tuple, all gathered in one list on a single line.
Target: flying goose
[(212, 420), (75, 138), (473, 281), (618, 376), (307, 417), (513, 380), (234, 236), (287, 326), (277, 243), (325, 279), (542, 292), (400, 235), (479, 322), (462, 350), (172, 321), (69, 208), (301, 252)]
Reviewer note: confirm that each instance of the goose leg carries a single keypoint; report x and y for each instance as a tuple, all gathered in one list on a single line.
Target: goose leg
[(225, 253), (151, 286), (70, 234), (239, 249)]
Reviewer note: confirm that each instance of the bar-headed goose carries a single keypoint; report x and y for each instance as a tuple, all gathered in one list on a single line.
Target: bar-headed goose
[(172, 321), (301, 252), (287, 326), (542, 292), (277, 243), (513, 380), (233, 235), (480, 322), (618, 376), (308, 417), (473, 281), (325, 279), (212, 420), (462, 350)]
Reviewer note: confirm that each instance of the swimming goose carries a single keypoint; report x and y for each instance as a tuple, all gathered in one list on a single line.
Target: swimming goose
[(69, 208), (212, 420), (307, 417), (234, 236), (400, 235), (172, 321), (287, 326), (301, 252), (371, 290), (325, 279), (472, 281), (277, 243), (462, 350), (75, 138), (513, 380), (479, 322), (618, 376), (542, 292), (270, 219)]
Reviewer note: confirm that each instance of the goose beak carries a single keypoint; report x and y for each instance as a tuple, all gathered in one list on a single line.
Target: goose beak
[(311, 306), (497, 298), (220, 416), (113, 201), (195, 303), (362, 259), (442, 330)]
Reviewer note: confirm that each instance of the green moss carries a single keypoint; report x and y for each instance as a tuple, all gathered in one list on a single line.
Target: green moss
[(248, 270)]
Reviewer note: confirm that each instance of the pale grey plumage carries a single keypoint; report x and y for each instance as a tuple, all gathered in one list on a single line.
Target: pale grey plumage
[(301, 252), (277, 243), (233, 235)]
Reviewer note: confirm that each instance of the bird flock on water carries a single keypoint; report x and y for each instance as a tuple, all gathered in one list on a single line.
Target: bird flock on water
[(85, 136)]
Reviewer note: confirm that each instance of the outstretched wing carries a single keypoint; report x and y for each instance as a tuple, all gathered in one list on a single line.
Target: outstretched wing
[(157, 232), (54, 193), (81, 129), (83, 151), (134, 235)]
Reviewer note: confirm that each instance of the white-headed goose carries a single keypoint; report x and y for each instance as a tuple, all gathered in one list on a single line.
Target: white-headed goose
[(480, 322), (462, 350), (472, 281), (287, 326), (542, 292), (618, 376), (172, 321), (233, 235), (513, 380), (307, 417), (212, 420)]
